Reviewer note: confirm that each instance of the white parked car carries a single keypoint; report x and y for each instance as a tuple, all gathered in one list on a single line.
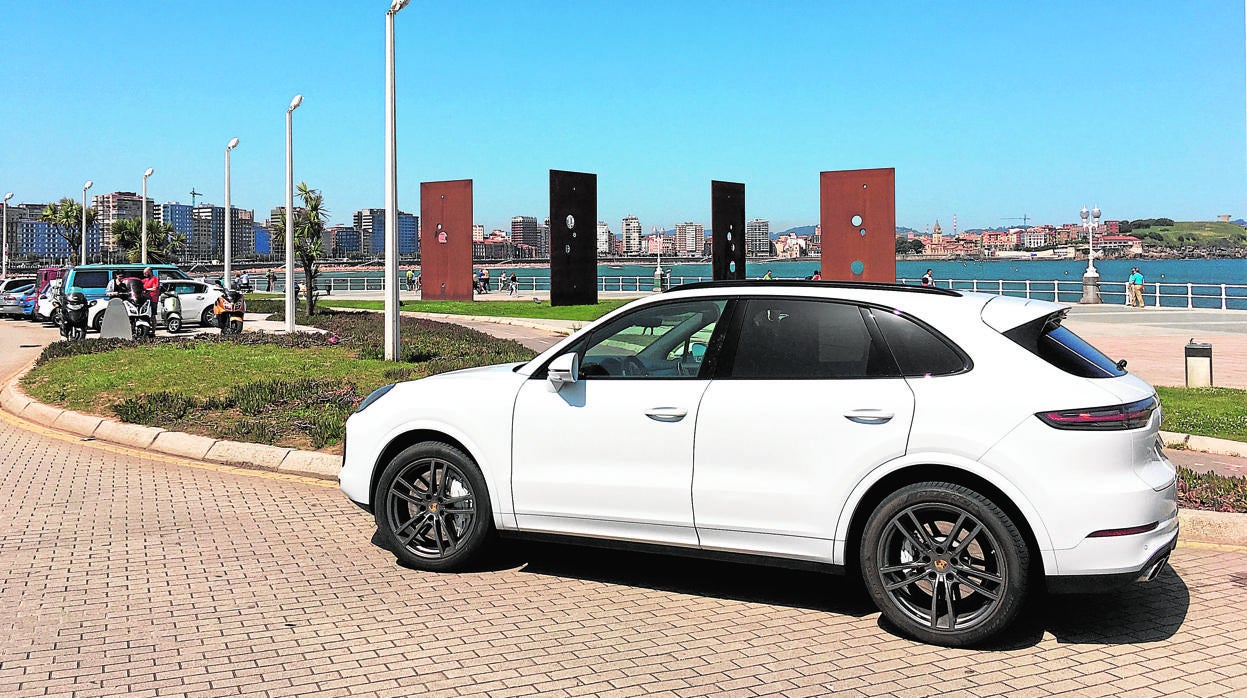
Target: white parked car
[(46, 308), (197, 299), (956, 450)]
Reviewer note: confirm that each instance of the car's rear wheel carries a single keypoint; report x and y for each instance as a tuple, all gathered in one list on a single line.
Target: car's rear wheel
[(944, 564), (432, 508), (207, 319), (173, 324)]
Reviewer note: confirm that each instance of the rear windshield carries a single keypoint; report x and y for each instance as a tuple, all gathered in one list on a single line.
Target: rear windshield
[(1046, 338)]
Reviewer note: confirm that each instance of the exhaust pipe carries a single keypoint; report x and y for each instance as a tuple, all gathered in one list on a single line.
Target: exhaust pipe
[(1154, 570)]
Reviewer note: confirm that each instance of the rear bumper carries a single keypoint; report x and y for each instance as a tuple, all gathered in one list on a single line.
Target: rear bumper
[(1100, 583)]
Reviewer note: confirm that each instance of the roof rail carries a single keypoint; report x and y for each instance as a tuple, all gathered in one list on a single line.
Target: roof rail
[(810, 283)]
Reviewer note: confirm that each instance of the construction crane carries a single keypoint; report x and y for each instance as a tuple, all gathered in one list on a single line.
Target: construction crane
[(1024, 218), (194, 194)]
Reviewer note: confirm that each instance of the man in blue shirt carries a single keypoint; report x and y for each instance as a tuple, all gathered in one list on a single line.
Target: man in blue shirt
[(1135, 287)]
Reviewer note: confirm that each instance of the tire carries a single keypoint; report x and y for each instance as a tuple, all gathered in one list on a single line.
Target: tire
[(98, 324), (977, 587), (207, 319), (415, 525), (173, 324), (77, 334), (235, 326), (55, 317)]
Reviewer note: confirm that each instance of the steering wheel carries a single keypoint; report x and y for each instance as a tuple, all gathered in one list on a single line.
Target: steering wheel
[(632, 366)]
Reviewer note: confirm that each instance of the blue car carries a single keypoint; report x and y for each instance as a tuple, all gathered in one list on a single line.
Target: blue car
[(11, 301), (28, 300)]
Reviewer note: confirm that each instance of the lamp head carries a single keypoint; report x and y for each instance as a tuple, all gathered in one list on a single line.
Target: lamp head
[(8, 196), (232, 144), (148, 173), (397, 5), (88, 185), (294, 103)]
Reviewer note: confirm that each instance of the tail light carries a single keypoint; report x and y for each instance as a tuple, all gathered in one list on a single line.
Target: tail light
[(1132, 415)]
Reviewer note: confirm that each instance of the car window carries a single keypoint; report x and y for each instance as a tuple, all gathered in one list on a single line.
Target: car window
[(668, 340), (784, 338), (918, 350), (1046, 338), (96, 278)]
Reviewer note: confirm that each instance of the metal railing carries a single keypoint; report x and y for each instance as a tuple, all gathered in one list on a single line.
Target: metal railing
[(1162, 294)]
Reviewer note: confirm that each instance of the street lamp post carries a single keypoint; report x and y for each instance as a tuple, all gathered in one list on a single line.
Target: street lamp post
[(4, 230), (85, 187), (391, 190), (229, 283), (294, 104), (658, 266), (143, 224), (1090, 278)]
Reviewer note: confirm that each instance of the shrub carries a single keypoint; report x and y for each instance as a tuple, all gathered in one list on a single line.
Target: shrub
[(154, 408), (1211, 492)]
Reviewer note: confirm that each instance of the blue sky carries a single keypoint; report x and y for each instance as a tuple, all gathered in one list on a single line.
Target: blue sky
[(986, 110)]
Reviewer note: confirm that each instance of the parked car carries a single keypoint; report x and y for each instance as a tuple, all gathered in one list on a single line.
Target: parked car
[(197, 299), (47, 305), (12, 284), (28, 300), (11, 300), (954, 449)]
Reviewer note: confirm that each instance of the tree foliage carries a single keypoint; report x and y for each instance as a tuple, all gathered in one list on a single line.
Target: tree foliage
[(66, 219), (309, 227), (907, 246), (163, 242)]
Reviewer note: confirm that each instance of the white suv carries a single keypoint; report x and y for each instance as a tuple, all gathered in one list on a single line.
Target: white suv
[(956, 449)]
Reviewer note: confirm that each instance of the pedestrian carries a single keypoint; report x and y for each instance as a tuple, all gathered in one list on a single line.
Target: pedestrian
[(485, 281), (818, 275), (244, 282), (515, 284), (1136, 287), (272, 280), (768, 276), (928, 279), (411, 280), (151, 289)]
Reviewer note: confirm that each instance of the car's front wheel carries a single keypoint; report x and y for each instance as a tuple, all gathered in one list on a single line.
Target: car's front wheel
[(944, 564), (432, 508)]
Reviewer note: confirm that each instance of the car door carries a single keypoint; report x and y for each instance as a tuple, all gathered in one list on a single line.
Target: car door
[(805, 401), (194, 297), (611, 454)]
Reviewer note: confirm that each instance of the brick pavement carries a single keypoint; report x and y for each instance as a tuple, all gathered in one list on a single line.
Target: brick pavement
[(127, 574)]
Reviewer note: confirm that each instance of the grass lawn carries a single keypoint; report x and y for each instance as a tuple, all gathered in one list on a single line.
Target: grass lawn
[(1216, 412), (94, 382), (1195, 233), (518, 309)]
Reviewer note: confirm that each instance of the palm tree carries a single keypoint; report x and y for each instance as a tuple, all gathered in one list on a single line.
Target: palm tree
[(163, 242), (309, 226), (66, 217)]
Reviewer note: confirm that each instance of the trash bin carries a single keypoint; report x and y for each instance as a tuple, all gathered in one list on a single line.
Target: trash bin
[(1198, 364)]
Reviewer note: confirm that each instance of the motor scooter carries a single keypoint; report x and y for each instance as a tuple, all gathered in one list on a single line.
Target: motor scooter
[(138, 306), (73, 311), (171, 311), (229, 309)]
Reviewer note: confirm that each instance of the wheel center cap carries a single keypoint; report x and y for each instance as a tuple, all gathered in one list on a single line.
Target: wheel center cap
[(940, 565), (433, 507)]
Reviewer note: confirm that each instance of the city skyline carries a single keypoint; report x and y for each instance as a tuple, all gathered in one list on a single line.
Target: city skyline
[(991, 113)]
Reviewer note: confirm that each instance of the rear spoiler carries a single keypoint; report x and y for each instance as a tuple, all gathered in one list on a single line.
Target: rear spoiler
[(1004, 313)]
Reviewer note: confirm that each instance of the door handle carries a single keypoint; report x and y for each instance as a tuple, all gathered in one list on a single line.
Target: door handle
[(666, 414), (869, 416)]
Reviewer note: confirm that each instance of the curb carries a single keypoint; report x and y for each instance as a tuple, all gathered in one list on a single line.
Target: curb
[(1223, 528), (173, 443), (497, 320), (1204, 444)]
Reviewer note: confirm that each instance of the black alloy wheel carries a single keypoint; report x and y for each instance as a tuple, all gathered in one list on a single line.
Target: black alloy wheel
[(432, 508), (207, 319), (944, 564)]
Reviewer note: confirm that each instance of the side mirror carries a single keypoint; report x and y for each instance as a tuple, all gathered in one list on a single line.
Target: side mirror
[(564, 369)]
